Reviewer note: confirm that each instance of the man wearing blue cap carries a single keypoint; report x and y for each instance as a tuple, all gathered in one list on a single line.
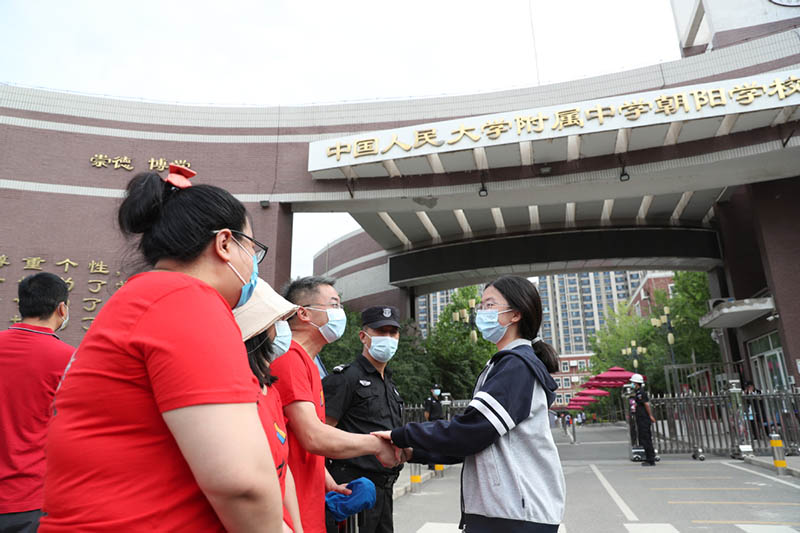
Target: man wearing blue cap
[(361, 398)]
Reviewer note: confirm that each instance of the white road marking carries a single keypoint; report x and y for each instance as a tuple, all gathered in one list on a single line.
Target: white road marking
[(757, 528), (771, 478), (629, 515), (597, 442), (651, 528), (438, 527)]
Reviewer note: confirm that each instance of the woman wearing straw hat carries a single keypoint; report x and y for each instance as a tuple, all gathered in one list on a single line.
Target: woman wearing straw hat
[(267, 336)]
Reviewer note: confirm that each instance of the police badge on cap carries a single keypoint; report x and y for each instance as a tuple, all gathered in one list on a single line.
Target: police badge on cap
[(379, 316)]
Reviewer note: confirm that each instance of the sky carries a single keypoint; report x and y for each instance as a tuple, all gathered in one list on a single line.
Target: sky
[(296, 52)]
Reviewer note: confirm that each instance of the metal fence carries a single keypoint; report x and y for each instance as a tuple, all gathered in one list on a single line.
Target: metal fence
[(726, 423), (416, 412), (703, 378)]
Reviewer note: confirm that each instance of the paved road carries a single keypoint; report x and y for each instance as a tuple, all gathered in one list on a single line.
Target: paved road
[(608, 493)]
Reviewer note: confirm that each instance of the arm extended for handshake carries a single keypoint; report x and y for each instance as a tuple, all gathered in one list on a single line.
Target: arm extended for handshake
[(321, 439)]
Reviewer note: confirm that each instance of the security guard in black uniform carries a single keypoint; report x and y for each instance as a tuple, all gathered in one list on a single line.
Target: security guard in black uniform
[(433, 405), (433, 409), (361, 397), (644, 417)]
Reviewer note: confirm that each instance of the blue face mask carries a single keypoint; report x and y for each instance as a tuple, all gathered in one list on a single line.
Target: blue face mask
[(334, 329), (248, 286), (437, 392), (282, 340), (382, 349), (487, 322)]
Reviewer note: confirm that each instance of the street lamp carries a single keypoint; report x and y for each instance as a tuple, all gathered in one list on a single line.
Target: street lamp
[(467, 317), (634, 351), (664, 320)]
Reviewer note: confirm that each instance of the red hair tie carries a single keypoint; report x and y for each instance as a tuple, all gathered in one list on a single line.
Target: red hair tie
[(179, 176)]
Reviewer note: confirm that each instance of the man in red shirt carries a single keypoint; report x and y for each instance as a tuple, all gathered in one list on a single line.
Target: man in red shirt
[(320, 319), (32, 361)]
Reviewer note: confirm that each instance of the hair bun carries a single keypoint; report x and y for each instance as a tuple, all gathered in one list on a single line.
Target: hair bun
[(143, 203)]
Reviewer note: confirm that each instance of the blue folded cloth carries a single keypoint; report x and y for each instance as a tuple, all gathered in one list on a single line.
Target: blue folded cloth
[(363, 497)]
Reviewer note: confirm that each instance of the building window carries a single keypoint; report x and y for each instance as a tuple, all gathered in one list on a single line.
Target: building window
[(671, 289), (581, 365), (559, 398), (567, 397), (565, 366), (558, 381)]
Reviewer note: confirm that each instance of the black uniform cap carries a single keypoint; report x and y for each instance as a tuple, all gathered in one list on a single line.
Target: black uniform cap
[(379, 316)]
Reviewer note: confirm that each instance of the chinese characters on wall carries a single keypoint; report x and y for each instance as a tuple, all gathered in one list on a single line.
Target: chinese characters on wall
[(90, 283), (570, 120), (126, 163)]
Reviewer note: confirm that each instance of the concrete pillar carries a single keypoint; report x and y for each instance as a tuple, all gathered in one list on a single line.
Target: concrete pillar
[(777, 219), (744, 274), (273, 226)]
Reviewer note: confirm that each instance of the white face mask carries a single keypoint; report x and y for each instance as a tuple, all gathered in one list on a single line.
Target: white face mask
[(282, 340), (382, 349), (334, 328), (65, 322)]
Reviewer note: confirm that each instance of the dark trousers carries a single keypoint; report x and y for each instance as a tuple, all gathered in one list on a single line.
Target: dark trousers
[(646, 439), (375, 520), (27, 522), (474, 523)]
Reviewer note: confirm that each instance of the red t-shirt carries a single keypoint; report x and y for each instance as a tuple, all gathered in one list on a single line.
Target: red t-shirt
[(299, 381), (164, 341), (32, 360), (270, 410)]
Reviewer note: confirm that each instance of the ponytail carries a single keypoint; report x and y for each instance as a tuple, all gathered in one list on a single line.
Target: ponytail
[(547, 354)]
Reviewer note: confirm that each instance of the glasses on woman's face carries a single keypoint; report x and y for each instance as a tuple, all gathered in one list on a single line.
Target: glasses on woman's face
[(260, 250)]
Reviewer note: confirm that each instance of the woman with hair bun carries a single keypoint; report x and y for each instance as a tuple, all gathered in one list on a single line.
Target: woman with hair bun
[(512, 479), (155, 425)]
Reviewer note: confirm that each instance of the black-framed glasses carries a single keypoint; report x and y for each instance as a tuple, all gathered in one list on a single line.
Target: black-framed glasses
[(261, 249)]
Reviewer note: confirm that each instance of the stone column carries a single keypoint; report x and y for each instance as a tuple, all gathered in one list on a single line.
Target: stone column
[(273, 226), (777, 222)]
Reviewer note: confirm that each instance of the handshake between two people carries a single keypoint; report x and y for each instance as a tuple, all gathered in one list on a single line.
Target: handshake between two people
[(388, 454)]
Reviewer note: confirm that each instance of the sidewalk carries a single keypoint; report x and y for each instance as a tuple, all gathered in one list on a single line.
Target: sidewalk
[(763, 461), (403, 484)]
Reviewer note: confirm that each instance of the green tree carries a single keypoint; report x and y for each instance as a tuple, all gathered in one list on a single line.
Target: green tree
[(411, 367), (455, 359), (621, 328), (687, 305), (690, 302)]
